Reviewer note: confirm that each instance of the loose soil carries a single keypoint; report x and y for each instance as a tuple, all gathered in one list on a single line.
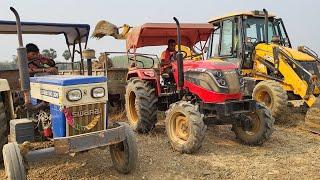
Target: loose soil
[(291, 153)]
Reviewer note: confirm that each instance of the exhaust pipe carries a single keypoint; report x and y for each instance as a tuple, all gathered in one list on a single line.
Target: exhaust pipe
[(179, 56), (22, 61), (266, 22)]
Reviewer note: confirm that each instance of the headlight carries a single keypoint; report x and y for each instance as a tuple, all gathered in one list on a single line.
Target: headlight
[(74, 95), (98, 92), (218, 74), (219, 78), (222, 82)]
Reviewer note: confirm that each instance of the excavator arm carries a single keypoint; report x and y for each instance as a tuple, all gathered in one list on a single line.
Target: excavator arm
[(283, 64), (304, 86), (105, 28)]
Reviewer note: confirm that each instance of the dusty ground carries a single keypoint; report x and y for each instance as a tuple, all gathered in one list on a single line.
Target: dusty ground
[(292, 153)]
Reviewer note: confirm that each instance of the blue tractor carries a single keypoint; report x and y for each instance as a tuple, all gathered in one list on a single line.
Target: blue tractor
[(68, 113)]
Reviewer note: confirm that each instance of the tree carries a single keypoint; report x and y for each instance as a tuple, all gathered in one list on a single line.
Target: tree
[(50, 53), (15, 59), (66, 54), (8, 65)]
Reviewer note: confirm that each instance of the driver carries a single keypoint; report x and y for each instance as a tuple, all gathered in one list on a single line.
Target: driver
[(38, 63), (169, 54), (167, 57)]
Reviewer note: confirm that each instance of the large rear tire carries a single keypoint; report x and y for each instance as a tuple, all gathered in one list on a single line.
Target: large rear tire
[(185, 127), (124, 155), (254, 128), (3, 128), (141, 105), (13, 162), (272, 95)]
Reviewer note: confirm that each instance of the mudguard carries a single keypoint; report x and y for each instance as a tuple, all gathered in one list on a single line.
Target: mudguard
[(148, 75)]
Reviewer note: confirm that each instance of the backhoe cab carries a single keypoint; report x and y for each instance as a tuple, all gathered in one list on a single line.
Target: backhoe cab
[(275, 72)]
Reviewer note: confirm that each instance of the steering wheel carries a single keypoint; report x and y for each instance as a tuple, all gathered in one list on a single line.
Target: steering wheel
[(132, 59), (184, 55), (33, 60), (255, 40)]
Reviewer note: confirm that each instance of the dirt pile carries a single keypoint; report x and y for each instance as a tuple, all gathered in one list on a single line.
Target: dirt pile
[(292, 153)]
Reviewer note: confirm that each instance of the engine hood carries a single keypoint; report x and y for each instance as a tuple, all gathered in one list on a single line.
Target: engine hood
[(295, 54), (215, 65)]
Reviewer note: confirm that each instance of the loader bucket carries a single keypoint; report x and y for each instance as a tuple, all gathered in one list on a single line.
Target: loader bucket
[(105, 28), (312, 119)]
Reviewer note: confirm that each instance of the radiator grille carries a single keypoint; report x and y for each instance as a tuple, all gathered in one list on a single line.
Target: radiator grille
[(83, 115), (232, 79)]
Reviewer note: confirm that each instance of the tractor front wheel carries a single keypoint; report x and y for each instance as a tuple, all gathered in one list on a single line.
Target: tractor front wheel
[(185, 127), (141, 105), (13, 162), (124, 155), (254, 128)]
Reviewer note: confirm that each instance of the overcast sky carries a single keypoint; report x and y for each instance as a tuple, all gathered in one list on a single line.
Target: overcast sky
[(301, 17)]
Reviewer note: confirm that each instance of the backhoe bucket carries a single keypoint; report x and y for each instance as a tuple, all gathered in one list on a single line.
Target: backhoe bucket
[(105, 28), (312, 119)]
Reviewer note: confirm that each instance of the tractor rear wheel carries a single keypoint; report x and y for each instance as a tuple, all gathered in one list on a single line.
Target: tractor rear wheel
[(254, 128), (13, 162), (185, 127), (3, 128), (272, 95), (141, 105), (124, 155)]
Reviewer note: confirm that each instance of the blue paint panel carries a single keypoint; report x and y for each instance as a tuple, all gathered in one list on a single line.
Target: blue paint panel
[(63, 80), (58, 121)]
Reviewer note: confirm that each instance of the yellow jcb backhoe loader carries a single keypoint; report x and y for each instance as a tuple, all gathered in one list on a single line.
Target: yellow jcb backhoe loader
[(275, 72)]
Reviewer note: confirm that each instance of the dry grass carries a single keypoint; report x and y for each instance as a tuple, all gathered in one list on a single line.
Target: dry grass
[(121, 116)]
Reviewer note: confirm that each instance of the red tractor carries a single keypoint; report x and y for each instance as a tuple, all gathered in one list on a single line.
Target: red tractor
[(200, 92)]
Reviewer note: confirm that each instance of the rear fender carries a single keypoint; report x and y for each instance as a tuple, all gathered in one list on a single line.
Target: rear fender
[(147, 75)]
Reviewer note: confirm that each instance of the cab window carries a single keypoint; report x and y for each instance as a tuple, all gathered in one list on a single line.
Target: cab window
[(226, 38), (254, 29)]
